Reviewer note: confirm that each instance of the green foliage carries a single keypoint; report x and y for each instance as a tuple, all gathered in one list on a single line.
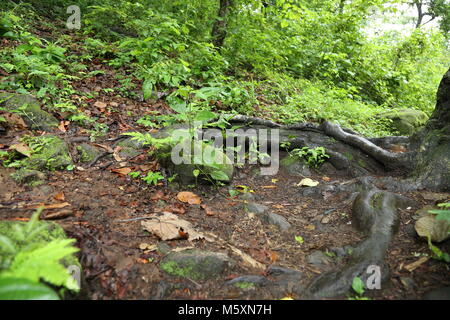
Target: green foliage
[(313, 157), (24, 289), (438, 254), (443, 214), (358, 288), (25, 256), (153, 177)]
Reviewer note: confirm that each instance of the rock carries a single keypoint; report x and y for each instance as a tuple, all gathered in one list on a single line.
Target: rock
[(256, 208), (31, 112), (284, 280), (163, 247), (53, 154), (87, 153), (29, 177), (438, 294), (429, 226), (295, 166), (406, 121), (248, 282), (279, 221), (130, 148), (423, 211), (247, 196), (319, 260), (196, 264)]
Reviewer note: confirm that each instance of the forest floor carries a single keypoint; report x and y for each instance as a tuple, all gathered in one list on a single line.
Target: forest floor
[(101, 207)]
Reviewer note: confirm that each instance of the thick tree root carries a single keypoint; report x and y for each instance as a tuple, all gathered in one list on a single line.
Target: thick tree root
[(389, 159), (375, 214)]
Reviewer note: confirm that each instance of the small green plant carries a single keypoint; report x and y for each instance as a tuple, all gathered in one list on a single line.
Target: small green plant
[(444, 213), (313, 157), (438, 254), (153, 177), (25, 258), (299, 239), (358, 288)]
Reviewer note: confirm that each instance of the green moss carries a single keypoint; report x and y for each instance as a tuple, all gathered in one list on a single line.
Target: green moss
[(49, 153), (361, 163), (348, 155), (187, 270), (32, 178), (87, 153), (244, 285)]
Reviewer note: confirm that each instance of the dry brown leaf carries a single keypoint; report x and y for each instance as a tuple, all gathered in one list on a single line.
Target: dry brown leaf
[(168, 227), (122, 171), (49, 206), (63, 126), (189, 197), (21, 148), (326, 179), (59, 214), (100, 105), (116, 154), (60, 196), (15, 120), (208, 211)]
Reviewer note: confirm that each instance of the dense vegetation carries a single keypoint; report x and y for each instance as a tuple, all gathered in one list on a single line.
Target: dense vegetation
[(284, 60)]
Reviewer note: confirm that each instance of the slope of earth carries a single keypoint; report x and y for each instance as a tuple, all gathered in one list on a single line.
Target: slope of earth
[(103, 207)]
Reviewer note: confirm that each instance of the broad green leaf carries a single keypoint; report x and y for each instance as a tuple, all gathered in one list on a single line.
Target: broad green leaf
[(147, 88), (23, 289), (219, 175), (205, 116), (358, 286)]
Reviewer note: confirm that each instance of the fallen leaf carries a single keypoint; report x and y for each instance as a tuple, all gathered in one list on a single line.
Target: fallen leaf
[(58, 215), (60, 196), (122, 171), (273, 256), (189, 197), (170, 227), (15, 120), (116, 154), (49, 206), (100, 105), (21, 148), (63, 126), (149, 247), (208, 211), (326, 179), (307, 182)]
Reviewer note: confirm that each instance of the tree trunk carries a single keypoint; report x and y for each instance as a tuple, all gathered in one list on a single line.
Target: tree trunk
[(219, 31), (420, 15), (432, 144)]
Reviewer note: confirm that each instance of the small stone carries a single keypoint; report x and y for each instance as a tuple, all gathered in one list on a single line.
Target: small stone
[(196, 264), (279, 221), (256, 208)]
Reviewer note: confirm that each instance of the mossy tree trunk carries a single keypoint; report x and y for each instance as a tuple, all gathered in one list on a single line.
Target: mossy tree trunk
[(432, 144)]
